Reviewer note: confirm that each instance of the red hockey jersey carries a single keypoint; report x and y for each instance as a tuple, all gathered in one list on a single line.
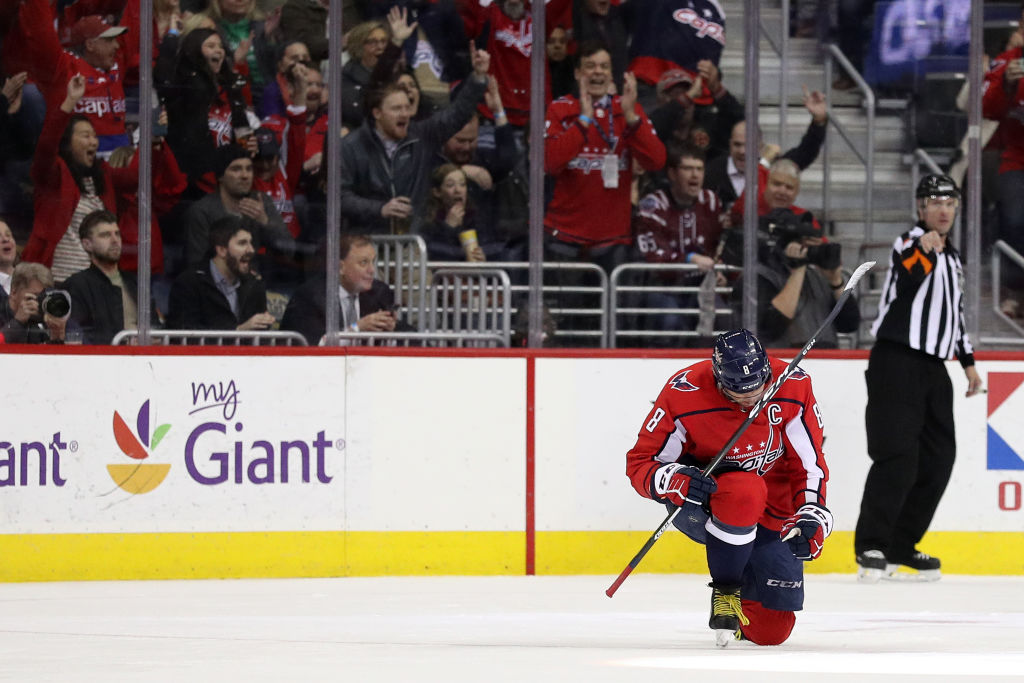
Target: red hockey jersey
[(668, 233), (282, 187), (510, 43), (582, 209), (692, 420), (33, 46)]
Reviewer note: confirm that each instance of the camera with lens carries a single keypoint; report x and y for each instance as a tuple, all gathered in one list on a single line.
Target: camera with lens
[(779, 227), (54, 302)]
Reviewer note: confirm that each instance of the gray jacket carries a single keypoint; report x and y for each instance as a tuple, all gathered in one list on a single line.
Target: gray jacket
[(369, 179)]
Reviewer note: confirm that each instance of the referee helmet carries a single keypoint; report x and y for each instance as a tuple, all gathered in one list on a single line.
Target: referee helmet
[(935, 185)]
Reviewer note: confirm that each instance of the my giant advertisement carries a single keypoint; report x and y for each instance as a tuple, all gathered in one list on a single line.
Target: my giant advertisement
[(130, 444)]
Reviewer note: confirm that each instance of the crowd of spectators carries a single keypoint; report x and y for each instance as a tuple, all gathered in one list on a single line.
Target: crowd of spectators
[(644, 146)]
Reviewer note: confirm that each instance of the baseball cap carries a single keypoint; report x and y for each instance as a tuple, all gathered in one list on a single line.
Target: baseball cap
[(674, 77), (93, 26)]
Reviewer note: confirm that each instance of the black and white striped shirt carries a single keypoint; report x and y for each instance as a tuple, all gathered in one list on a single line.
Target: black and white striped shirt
[(922, 301)]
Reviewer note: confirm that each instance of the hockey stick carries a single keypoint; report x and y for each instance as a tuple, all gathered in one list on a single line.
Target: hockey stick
[(754, 412)]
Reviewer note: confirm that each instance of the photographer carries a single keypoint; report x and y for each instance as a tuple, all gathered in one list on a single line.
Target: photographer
[(799, 274), (35, 313), (799, 280)]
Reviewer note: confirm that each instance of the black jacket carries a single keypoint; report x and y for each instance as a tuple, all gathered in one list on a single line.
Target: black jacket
[(96, 304), (716, 175), (369, 179), (307, 309), (197, 304)]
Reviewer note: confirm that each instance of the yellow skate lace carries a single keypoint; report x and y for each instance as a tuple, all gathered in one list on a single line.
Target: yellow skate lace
[(729, 604)]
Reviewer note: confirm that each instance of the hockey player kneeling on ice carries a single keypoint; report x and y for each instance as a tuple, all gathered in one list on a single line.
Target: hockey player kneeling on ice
[(762, 513)]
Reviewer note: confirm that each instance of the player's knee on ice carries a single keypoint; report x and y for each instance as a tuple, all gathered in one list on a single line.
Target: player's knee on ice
[(767, 626)]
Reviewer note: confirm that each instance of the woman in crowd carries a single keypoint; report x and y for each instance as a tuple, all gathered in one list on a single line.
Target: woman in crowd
[(248, 38), (71, 182), (206, 106), (450, 230), (366, 43), (391, 66)]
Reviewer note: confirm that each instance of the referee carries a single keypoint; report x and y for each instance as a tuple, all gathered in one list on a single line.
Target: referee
[(909, 415)]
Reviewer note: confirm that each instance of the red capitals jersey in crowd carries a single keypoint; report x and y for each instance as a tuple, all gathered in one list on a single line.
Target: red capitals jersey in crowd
[(692, 420), (282, 187), (316, 135), (1007, 107), (509, 42), (583, 210), (667, 232), (32, 46)]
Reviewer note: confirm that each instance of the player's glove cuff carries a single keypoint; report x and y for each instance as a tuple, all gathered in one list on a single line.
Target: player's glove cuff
[(819, 513)]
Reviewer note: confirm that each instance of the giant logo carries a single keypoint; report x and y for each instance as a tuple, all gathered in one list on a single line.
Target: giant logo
[(1005, 428), (138, 477)]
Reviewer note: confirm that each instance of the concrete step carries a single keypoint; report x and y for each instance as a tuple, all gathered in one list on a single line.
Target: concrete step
[(884, 198), (854, 175), (881, 230), (889, 129), (811, 75)]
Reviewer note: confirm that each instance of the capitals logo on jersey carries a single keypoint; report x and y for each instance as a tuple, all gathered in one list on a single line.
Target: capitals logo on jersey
[(517, 37), (705, 28), (760, 456), (680, 383)]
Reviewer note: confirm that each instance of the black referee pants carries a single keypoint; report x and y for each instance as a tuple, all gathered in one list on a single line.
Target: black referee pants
[(912, 445)]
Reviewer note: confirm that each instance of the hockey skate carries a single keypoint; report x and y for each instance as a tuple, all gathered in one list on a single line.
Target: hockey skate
[(871, 566), (726, 613), (916, 567)]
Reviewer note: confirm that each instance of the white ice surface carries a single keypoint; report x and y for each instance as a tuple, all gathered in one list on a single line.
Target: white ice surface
[(491, 629)]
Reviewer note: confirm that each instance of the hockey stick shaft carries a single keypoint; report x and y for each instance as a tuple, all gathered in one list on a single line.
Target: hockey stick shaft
[(754, 412)]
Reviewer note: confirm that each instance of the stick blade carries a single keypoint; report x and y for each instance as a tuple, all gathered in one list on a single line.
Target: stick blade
[(858, 274)]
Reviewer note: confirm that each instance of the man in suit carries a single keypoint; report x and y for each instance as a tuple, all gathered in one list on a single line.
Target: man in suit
[(725, 174), (223, 293), (367, 304)]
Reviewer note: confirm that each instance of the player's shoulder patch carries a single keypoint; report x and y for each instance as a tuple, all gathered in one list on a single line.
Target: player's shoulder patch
[(799, 374), (681, 382)]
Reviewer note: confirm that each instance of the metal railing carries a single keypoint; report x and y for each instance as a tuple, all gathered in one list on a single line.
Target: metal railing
[(476, 340), (1000, 249), (402, 264), (212, 338), (572, 300), (471, 301), (637, 298), (782, 50), (834, 54)]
